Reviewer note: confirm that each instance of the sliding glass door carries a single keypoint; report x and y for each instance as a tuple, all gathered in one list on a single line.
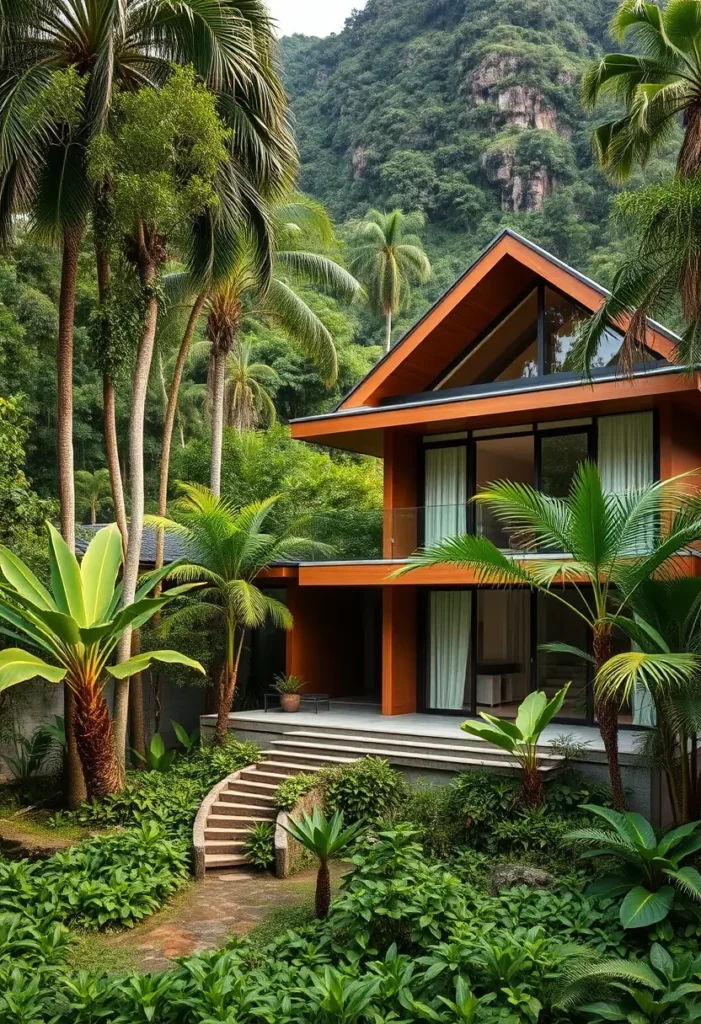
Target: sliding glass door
[(449, 638)]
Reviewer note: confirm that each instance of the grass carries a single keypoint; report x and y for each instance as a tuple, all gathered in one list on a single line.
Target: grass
[(92, 951), (35, 823), (279, 921)]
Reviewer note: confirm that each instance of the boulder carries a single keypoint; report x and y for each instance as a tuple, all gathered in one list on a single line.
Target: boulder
[(508, 876)]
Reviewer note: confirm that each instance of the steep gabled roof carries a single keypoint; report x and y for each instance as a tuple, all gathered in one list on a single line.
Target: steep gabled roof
[(504, 270)]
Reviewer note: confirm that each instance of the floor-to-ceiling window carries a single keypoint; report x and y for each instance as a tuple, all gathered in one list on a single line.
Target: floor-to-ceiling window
[(507, 457), (503, 650)]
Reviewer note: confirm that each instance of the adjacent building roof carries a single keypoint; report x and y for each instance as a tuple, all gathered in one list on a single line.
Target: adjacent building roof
[(172, 548)]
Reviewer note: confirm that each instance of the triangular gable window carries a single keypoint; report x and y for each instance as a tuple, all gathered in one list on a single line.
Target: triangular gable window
[(533, 338)]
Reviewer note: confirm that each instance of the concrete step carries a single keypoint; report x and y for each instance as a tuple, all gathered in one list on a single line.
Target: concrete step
[(401, 740), (245, 796), (243, 811), (252, 785), (225, 860), (444, 761), (315, 758), (222, 833), (266, 776), (224, 846), (232, 822), (333, 741), (288, 767)]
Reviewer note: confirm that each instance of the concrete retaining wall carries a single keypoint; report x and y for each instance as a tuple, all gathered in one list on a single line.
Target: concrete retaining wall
[(291, 856)]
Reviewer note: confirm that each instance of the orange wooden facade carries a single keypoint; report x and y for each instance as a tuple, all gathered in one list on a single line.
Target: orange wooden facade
[(324, 647)]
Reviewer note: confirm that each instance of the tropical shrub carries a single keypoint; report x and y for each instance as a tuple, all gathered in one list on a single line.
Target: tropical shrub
[(520, 738), (156, 758), (290, 792), (365, 790), (655, 870), (259, 844), (173, 799), (117, 880), (433, 811)]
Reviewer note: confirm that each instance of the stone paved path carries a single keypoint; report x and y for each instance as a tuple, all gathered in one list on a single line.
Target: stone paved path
[(208, 913)]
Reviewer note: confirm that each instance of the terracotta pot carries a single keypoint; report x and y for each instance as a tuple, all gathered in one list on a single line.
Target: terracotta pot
[(290, 701)]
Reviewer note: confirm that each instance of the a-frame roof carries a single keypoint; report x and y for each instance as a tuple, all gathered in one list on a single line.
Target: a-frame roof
[(506, 269)]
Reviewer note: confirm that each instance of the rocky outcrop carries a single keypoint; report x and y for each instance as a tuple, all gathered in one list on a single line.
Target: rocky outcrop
[(359, 161), (508, 876), (519, 191)]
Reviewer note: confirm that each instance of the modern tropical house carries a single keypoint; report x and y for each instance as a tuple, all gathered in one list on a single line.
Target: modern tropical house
[(478, 390)]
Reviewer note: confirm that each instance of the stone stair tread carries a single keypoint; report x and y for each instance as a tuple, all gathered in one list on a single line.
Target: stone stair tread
[(385, 750), (215, 845), (481, 762), (252, 784), (281, 764), (476, 745), (223, 821), (246, 810), (225, 859), (228, 796)]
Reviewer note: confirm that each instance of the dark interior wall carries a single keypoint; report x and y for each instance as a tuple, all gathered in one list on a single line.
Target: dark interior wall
[(331, 645)]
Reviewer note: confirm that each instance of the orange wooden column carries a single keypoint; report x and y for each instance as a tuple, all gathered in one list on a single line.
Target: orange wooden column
[(400, 494), (399, 639)]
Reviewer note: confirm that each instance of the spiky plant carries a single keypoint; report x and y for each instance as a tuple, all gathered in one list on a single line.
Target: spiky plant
[(326, 838)]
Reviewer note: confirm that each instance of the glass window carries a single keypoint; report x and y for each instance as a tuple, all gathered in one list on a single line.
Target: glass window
[(509, 351), (503, 650), (560, 454), (449, 639), (501, 458), (559, 624)]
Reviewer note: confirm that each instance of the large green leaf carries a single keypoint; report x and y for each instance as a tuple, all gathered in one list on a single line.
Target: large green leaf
[(16, 666), (98, 572), (142, 661), (674, 837), (642, 908), (149, 580), (23, 580), (610, 885), (63, 626), (551, 709), (65, 577), (529, 713), (490, 734)]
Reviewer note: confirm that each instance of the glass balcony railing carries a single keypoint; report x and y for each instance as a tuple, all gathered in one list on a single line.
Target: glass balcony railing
[(395, 534)]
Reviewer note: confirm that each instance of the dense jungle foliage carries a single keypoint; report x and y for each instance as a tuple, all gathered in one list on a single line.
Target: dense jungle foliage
[(468, 110)]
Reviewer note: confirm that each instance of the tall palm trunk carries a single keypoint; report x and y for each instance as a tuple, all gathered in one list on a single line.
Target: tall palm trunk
[(75, 783), (607, 716), (218, 391), (171, 412), (388, 329), (142, 371), (93, 730)]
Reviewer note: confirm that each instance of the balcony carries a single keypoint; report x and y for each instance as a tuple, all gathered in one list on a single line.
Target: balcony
[(395, 534)]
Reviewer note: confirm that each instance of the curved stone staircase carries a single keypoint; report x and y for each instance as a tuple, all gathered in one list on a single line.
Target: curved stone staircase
[(248, 796)]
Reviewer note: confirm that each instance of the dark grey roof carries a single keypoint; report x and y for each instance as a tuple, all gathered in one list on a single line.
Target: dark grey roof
[(172, 548)]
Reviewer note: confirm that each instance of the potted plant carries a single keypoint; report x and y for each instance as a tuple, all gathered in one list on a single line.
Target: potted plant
[(289, 688)]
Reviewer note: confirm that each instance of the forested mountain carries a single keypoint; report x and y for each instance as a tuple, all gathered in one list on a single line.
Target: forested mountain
[(468, 110)]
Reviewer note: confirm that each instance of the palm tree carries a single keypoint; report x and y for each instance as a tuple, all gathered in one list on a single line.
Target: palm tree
[(78, 627), (227, 549), (325, 838), (388, 261), (656, 87), (45, 46), (247, 401), (242, 294), (606, 545), (92, 491), (664, 266), (666, 666)]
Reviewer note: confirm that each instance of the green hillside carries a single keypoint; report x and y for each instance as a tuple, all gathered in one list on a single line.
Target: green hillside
[(468, 110)]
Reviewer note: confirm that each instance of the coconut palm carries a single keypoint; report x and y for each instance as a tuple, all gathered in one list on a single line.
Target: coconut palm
[(607, 545), (326, 838), (657, 86), (92, 492), (59, 63), (226, 551), (664, 267), (241, 295), (388, 259), (666, 667), (78, 627), (247, 400)]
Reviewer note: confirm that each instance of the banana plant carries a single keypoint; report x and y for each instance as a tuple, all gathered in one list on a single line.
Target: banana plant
[(77, 626), (157, 758), (520, 738), (654, 870)]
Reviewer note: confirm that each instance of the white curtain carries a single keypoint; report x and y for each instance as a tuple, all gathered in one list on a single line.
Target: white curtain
[(445, 493), (449, 647), (626, 451)]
